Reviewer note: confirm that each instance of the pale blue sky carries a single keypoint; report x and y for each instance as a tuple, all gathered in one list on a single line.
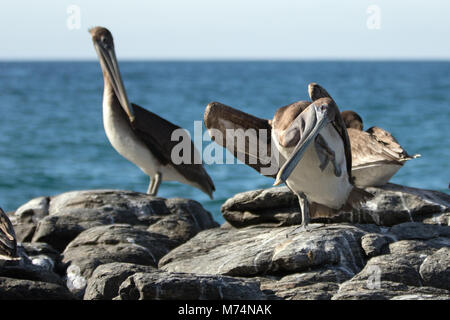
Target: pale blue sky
[(228, 29)]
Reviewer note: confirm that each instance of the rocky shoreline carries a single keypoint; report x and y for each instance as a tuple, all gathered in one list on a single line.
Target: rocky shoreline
[(110, 244)]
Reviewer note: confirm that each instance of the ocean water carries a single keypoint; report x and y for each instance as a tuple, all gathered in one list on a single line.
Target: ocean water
[(52, 138)]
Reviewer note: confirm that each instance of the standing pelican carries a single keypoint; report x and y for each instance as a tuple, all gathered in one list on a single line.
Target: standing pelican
[(315, 154), (8, 243), (139, 135), (376, 154)]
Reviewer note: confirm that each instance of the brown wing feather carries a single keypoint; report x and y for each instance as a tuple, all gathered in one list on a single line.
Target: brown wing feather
[(339, 125), (8, 243), (156, 133), (221, 117), (390, 143), (366, 149)]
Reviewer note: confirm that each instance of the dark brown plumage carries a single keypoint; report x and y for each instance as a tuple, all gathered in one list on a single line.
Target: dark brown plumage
[(221, 117), (156, 133), (8, 243)]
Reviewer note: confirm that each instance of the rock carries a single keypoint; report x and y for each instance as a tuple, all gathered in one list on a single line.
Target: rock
[(261, 251), (406, 247), (375, 244), (422, 296), (29, 268), (435, 270), (29, 271), (40, 249), (107, 278), (58, 220), (61, 228), (107, 244), (182, 286), (276, 206), (316, 291), (319, 284), (392, 268), (38, 207), (26, 217), (415, 230), (187, 218), (364, 290), (439, 218), (392, 204), (16, 289)]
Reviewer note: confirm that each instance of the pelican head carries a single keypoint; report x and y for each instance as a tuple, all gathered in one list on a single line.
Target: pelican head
[(104, 45), (352, 120), (313, 119)]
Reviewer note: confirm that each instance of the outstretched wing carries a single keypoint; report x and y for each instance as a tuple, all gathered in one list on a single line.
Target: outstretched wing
[(8, 243), (247, 137), (156, 133)]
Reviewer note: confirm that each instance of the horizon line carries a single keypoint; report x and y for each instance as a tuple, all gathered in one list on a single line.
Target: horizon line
[(242, 59)]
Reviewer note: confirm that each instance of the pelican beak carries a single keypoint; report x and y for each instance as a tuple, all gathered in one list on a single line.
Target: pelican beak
[(311, 121), (109, 64)]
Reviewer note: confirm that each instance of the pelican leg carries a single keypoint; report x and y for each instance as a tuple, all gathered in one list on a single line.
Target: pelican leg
[(325, 154), (150, 185), (304, 207), (154, 185)]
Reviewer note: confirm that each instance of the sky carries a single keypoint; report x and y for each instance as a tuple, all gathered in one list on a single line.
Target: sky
[(227, 29)]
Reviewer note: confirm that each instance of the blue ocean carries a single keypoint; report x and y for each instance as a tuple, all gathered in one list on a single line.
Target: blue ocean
[(52, 138)]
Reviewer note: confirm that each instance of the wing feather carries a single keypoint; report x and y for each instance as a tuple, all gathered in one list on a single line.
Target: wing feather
[(8, 242), (156, 133), (234, 126)]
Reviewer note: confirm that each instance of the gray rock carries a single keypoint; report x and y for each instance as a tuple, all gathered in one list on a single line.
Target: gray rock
[(415, 230), (39, 249), (405, 247), (27, 216), (439, 218), (61, 228), (259, 251), (16, 289), (422, 296), (29, 268), (391, 205), (318, 284), (182, 286), (30, 271), (107, 244), (375, 244), (107, 278), (59, 219), (274, 206), (364, 290), (316, 291), (37, 206), (435, 270), (392, 268), (187, 218)]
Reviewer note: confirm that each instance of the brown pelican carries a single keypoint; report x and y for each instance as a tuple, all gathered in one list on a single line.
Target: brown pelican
[(376, 154), (8, 243), (316, 172), (139, 135)]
